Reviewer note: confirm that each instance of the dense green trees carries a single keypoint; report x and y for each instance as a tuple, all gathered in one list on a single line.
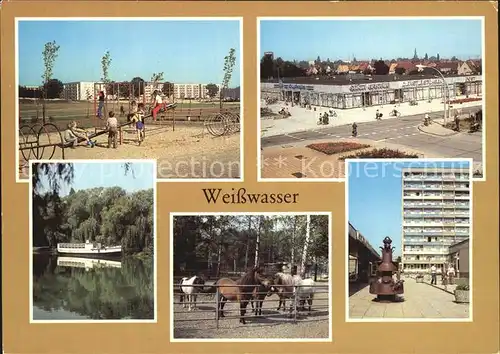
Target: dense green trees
[(234, 243), (107, 215)]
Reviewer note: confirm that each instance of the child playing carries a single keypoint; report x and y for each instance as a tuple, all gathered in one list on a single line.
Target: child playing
[(139, 125), (157, 104), (112, 128), (73, 133)]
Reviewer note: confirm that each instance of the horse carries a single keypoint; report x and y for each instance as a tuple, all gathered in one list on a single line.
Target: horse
[(305, 292), (190, 292), (241, 294), (258, 296), (286, 288)]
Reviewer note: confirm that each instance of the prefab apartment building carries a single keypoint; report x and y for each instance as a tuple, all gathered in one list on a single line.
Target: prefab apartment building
[(436, 215)]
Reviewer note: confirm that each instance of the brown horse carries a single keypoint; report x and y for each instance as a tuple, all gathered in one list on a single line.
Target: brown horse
[(242, 294), (258, 296)]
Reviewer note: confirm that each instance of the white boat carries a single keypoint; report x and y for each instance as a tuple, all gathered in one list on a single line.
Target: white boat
[(94, 248), (87, 263)]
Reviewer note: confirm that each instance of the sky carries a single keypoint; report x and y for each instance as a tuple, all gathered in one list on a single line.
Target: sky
[(371, 39), (374, 193), (109, 174), (185, 51)]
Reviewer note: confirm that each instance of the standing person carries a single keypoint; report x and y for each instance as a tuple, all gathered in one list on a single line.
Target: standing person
[(354, 129), (112, 128), (433, 274), (451, 274), (157, 104), (139, 125), (457, 122), (100, 104)]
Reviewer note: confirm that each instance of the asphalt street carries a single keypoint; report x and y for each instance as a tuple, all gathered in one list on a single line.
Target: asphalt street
[(403, 131)]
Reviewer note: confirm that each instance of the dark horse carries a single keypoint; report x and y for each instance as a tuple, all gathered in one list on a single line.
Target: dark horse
[(242, 294)]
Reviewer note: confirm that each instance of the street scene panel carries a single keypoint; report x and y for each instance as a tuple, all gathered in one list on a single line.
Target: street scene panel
[(127, 95), (395, 95), (241, 276), (409, 229), (93, 242)]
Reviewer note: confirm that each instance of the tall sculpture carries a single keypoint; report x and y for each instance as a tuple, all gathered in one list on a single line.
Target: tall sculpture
[(385, 287)]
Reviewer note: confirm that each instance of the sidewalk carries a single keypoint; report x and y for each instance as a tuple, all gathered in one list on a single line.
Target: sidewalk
[(303, 119), (421, 302)]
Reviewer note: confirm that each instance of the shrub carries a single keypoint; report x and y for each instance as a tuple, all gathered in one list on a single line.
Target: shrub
[(336, 147), (463, 287), (380, 154)]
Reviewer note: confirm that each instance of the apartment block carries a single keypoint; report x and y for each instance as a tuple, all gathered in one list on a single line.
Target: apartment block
[(80, 91), (436, 216), (193, 91)]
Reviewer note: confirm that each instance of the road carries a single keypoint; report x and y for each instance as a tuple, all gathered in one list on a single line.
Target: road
[(402, 131)]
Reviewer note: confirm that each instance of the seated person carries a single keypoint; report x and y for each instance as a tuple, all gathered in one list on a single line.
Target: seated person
[(73, 133)]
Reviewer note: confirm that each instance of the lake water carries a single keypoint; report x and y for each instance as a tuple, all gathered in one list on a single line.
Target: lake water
[(70, 288)]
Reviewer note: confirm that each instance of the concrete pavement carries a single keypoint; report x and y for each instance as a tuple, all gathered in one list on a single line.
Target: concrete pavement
[(422, 301), (302, 119)]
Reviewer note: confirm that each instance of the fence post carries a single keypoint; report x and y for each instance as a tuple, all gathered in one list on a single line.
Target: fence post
[(217, 304), (295, 304)]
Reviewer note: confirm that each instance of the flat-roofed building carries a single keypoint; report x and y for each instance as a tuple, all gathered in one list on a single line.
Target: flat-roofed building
[(436, 207)]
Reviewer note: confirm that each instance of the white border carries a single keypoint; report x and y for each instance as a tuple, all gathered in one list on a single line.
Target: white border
[(164, 19), (260, 19), (471, 208), (155, 252), (249, 340)]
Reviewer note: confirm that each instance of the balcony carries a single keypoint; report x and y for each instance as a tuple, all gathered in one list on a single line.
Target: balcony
[(423, 261), (422, 252)]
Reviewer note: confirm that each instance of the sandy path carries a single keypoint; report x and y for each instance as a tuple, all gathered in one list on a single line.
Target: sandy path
[(190, 146)]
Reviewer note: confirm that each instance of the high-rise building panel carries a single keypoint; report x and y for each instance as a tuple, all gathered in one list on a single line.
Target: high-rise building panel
[(436, 215)]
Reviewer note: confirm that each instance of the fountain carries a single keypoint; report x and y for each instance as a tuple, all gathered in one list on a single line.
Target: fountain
[(385, 287)]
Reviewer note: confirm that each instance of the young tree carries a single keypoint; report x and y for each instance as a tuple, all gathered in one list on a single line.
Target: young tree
[(105, 64), (50, 53), (229, 62)]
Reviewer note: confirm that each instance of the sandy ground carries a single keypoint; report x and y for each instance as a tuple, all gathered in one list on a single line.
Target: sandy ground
[(201, 323), (189, 147)]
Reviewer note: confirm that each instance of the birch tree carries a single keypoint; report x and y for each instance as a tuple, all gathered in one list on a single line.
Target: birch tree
[(304, 250)]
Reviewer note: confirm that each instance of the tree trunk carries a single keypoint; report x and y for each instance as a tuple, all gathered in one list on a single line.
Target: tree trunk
[(248, 242), (43, 105), (304, 250), (257, 243), (292, 260)]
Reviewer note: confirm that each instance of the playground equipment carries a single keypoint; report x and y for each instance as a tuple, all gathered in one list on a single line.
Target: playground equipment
[(223, 123)]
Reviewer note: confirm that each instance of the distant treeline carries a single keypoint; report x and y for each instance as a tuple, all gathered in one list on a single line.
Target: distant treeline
[(107, 215)]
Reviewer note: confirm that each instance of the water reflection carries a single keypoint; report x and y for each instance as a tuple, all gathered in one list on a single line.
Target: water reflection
[(73, 288)]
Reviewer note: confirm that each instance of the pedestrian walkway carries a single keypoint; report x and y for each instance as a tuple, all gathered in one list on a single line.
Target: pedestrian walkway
[(422, 301), (302, 119)]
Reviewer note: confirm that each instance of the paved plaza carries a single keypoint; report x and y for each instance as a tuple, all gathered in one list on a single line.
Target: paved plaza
[(422, 301)]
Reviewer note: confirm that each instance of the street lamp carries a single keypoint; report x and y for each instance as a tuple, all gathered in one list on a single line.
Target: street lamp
[(421, 67)]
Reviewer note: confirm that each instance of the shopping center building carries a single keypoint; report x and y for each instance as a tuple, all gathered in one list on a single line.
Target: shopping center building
[(436, 218), (358, 90)]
